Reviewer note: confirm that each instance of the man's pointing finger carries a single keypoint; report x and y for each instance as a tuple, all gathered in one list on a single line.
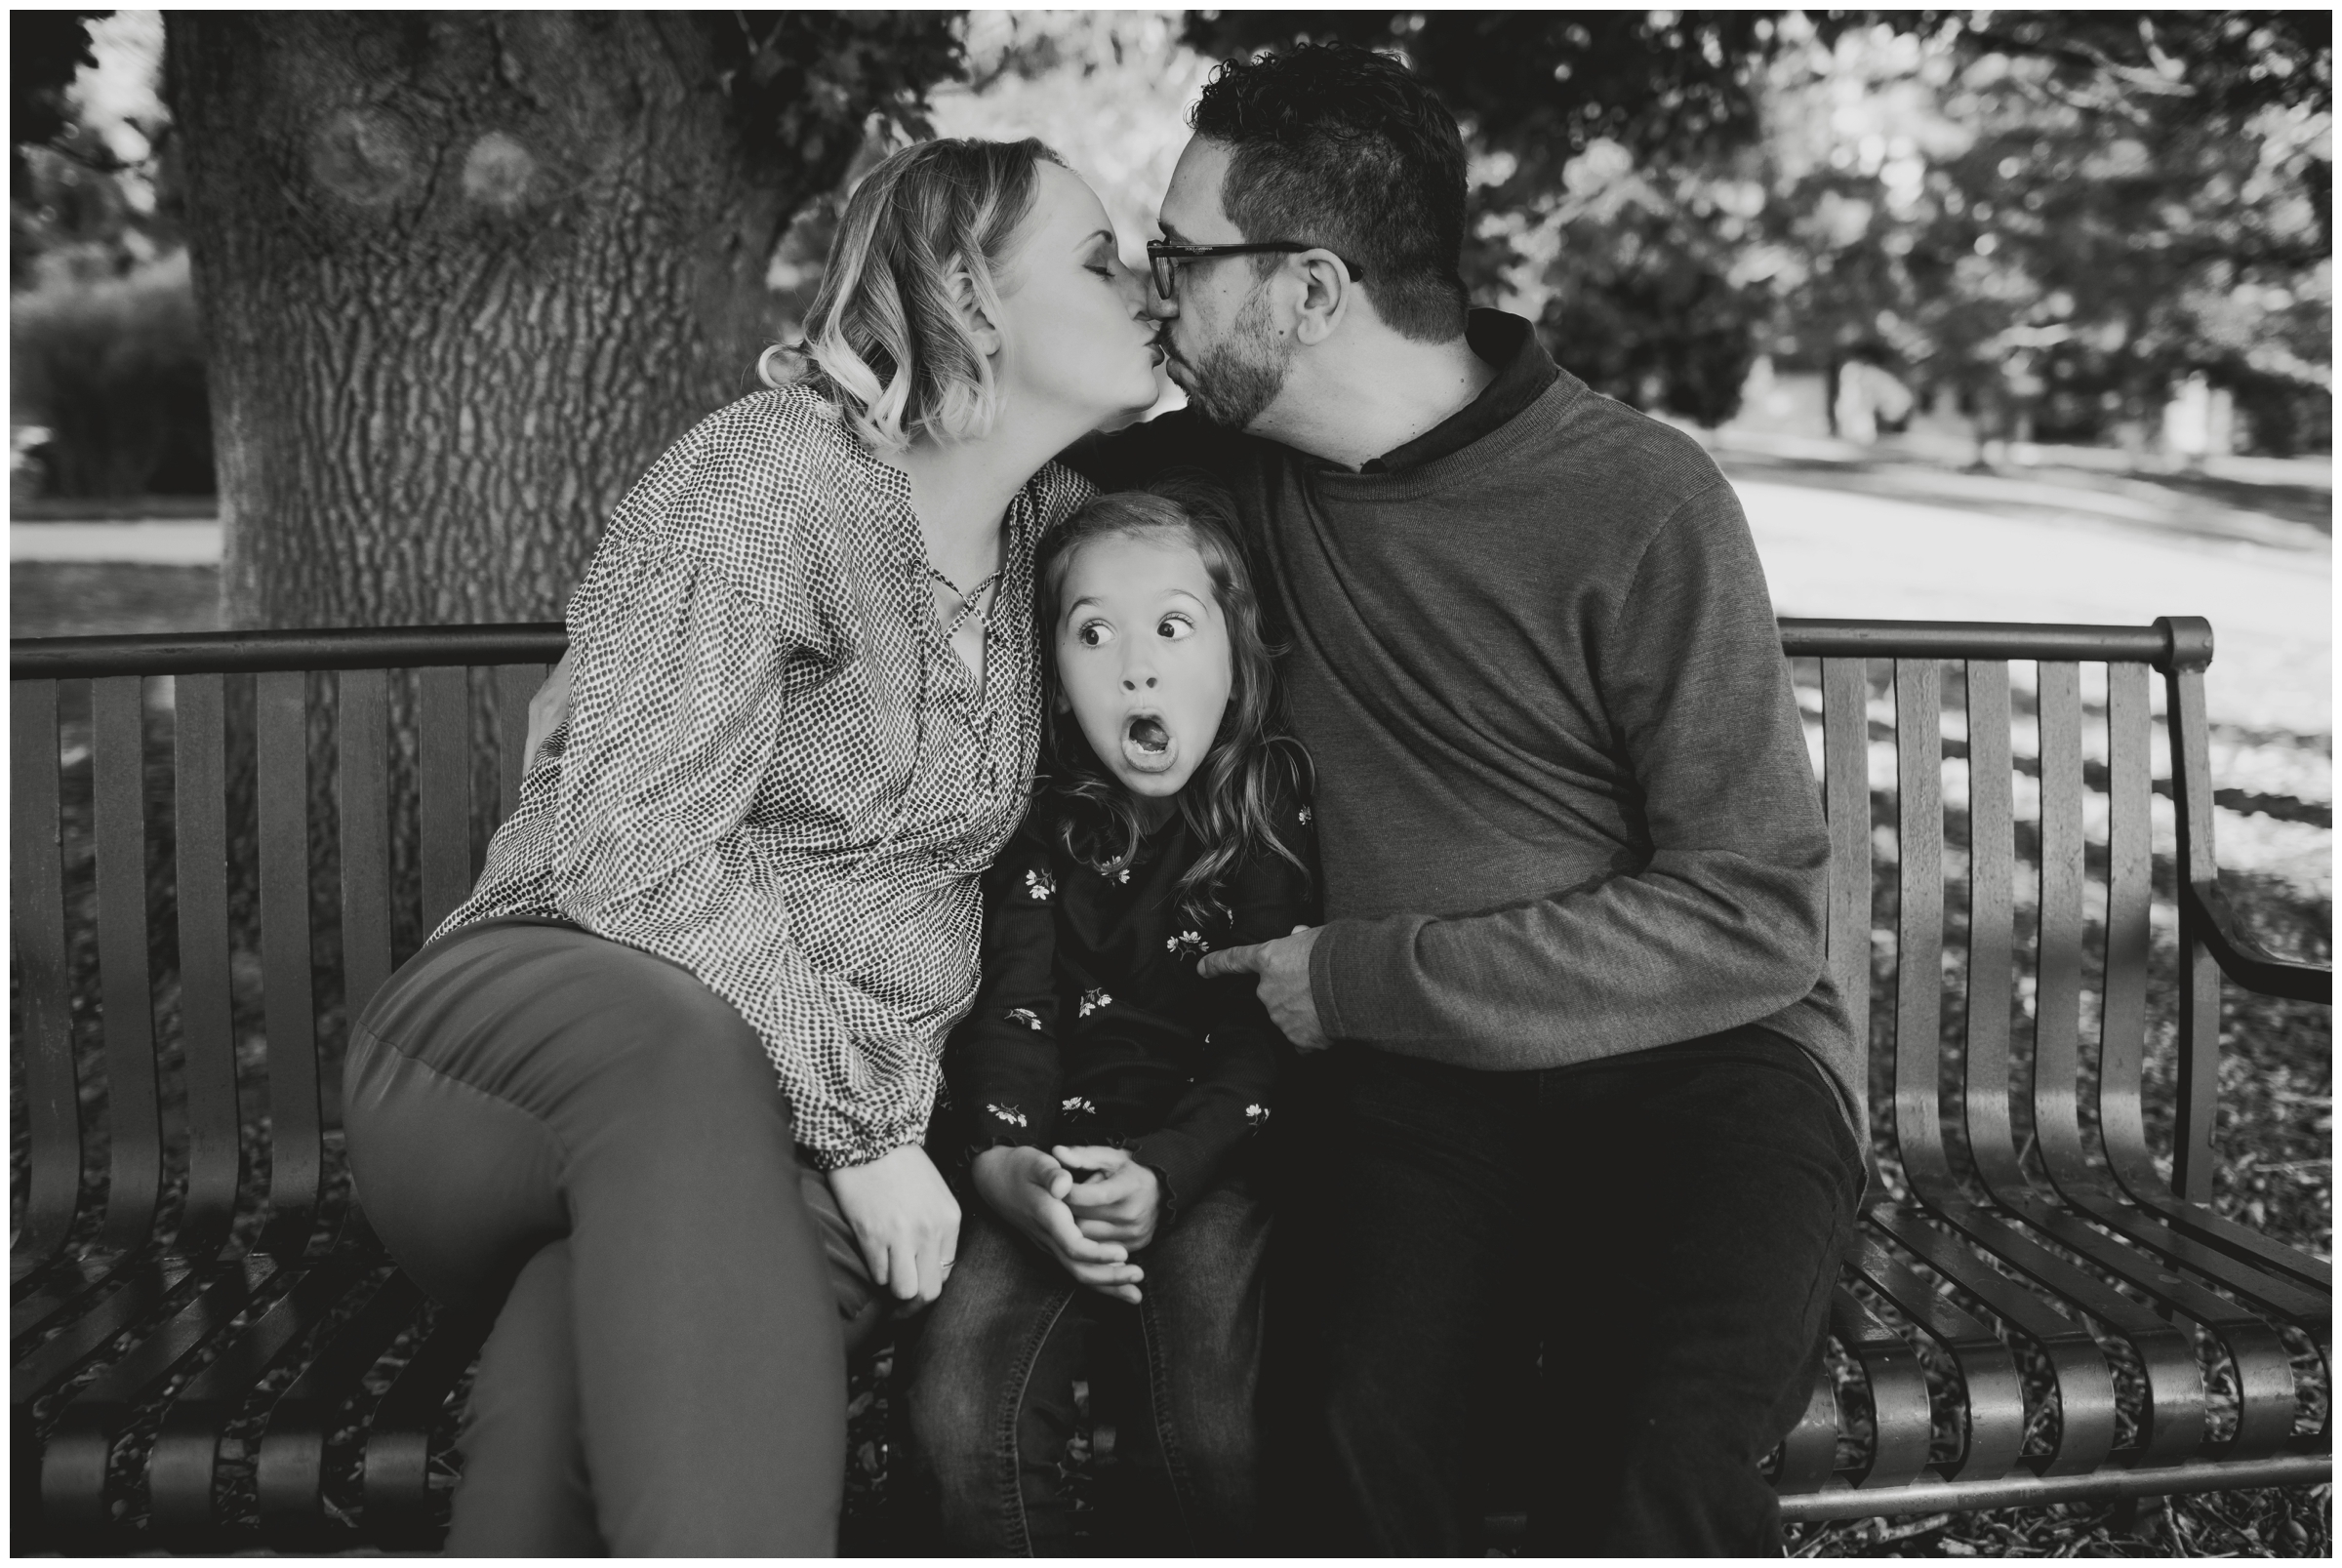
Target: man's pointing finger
[(1235, 961)]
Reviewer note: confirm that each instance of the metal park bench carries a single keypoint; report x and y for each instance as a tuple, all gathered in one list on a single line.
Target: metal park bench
[(208, 1357)]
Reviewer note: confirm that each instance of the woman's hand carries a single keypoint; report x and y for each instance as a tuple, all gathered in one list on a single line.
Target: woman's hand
[(548, 709), (1028, 1189), (1121, 1201), (905, 1219)]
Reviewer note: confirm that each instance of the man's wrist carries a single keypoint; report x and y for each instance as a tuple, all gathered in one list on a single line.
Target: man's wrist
[(1331, 939)]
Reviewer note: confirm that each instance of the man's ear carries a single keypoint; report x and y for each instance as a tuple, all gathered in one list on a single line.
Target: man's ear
[(1327, 296)]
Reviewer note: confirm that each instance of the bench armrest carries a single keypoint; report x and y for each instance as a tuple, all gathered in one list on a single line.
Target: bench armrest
[(2244, 960)]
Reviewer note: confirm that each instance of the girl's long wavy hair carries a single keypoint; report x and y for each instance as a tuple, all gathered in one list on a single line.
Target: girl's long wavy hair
[(888, 339), (1228, 801)]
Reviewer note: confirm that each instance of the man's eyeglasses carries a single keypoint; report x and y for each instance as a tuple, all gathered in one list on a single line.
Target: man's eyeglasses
[(1167, 257)]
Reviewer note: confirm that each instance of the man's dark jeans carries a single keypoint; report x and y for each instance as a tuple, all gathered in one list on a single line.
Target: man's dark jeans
[(1667, 1224), (989, 1390)]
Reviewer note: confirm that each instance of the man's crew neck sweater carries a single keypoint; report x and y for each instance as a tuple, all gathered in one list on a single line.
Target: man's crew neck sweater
[(1565, 809)]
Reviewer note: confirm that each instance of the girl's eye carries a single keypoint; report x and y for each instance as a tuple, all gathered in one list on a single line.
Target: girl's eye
[(1094, 634), (1173, 627)]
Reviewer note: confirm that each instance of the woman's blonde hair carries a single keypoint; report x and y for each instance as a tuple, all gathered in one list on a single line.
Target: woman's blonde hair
[(888, 338)]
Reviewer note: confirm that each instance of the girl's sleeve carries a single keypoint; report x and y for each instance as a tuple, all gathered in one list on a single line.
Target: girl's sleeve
[(1245, 1055), (1002, 1061)]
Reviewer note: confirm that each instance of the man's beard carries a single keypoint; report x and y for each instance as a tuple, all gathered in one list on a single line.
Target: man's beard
[(1237, 379)]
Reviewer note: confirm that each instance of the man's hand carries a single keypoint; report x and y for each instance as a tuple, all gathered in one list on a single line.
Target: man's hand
[(1028, 1189), (548, 709), (1121, 1201), (1283, 966), (904, 1220)]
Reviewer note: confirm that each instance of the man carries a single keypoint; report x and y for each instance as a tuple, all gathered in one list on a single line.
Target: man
[(1584, 1078)]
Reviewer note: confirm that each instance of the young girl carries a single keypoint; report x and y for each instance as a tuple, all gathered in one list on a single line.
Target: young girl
[(1108, 1098)]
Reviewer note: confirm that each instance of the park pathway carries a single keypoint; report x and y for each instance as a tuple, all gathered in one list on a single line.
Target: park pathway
[(2266, 584)]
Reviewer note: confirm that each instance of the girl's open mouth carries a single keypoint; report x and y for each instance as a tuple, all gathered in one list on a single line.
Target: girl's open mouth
[(1147, 742)]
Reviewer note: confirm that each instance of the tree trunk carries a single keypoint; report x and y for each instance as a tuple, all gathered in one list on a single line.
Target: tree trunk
[(463, 277)]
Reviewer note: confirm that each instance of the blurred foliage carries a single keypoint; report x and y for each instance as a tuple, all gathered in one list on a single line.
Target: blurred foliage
[(107, 390), (2053, 216), (88, 182), (107, 384), (111, 369), (45, 49), (802, 83)]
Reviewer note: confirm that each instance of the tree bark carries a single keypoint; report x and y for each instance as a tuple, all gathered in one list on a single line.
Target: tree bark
[(463, 277)]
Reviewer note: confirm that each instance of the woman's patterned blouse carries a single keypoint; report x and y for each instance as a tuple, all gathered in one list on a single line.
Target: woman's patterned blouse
[(775, 771)]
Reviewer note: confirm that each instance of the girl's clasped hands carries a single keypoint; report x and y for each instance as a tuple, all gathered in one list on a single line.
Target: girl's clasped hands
[(1090, 1222)]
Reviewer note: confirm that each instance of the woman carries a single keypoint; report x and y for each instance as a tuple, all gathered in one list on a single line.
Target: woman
[(804, 713)]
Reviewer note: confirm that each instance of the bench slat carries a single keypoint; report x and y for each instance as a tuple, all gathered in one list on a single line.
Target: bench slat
[(364, 784), (291, 1469), (1809, 1453), (181, 1468), (296, 1147), (1919, 920), (36, 903), (74, 1462), (2129, 893), (397, 1497), (2057, 964), (138, 1287), (1900, 1417), (444, 787), (215, 1154), (2264, 1377), (515, 684), (2192, 1156), (133, 1109), (2182, 1202), (2176, 1396), (2174, 1417), (1846, 802), (1990, 1390), (2086, 1387), (1991, 918), (2264, 1292)]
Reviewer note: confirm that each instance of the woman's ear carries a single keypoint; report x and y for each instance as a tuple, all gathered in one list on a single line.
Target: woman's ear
[(974, 313), (984, 330)]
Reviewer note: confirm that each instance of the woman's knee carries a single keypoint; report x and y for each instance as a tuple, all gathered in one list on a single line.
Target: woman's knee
[(461, 1186)]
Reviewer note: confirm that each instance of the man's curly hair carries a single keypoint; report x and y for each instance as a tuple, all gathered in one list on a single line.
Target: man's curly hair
[(1340, 147)]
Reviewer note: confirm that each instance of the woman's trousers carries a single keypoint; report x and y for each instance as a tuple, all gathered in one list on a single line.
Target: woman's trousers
[(586, 1141)]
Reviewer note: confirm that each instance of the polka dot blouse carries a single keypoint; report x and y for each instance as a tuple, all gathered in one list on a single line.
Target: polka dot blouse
[(776, 772)]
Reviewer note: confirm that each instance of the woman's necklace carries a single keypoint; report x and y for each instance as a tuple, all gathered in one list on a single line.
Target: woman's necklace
[(968, 599)]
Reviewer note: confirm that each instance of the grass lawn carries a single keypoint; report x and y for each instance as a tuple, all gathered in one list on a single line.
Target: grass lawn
[(96, 598)]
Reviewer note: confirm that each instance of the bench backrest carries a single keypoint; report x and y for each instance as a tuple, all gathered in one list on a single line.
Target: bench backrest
[(2053, 897)]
